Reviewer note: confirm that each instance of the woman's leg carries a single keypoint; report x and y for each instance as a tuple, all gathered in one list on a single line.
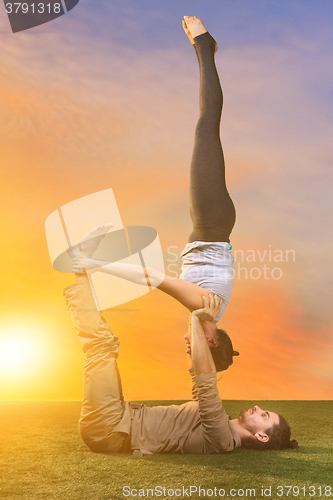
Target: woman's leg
[(211, 208), (103, 404)]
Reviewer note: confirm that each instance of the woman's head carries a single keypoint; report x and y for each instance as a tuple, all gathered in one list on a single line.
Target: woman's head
[(224, 352)]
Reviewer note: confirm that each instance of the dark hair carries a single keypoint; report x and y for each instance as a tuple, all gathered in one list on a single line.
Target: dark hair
[(279, 438), (224, 352)]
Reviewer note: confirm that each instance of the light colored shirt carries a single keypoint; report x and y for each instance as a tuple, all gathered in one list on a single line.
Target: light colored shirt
[(200, 426), (209, 265)]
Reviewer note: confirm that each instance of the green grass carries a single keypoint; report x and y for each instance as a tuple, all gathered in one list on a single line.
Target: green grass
[(42, 456)]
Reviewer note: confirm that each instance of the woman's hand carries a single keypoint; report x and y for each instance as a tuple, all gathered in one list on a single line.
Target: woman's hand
[(211, 309)]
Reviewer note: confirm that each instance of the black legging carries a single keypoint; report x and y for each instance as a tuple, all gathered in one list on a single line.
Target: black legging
[(212, 210)]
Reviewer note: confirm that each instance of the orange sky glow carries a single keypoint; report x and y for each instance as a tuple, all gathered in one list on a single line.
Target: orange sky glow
[(81, 113)]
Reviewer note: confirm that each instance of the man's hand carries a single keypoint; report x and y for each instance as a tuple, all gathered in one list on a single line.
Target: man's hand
[(211, 309)]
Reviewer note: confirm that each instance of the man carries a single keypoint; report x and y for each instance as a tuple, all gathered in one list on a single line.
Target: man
[(109, 424)]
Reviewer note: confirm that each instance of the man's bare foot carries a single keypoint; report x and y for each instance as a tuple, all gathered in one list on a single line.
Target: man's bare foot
[(194, 27), (87, 245), (81, 266)]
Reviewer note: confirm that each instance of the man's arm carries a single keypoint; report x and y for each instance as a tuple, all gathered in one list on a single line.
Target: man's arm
[(216, 434), (202, 358), (194, 388)]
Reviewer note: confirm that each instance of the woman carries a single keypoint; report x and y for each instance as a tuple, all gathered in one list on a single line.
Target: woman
[(207, 261)]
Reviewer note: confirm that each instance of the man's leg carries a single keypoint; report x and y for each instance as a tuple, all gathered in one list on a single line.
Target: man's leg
[(103, 403), (211, 208)]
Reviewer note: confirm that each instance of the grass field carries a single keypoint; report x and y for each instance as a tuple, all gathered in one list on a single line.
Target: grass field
[(42, 456)]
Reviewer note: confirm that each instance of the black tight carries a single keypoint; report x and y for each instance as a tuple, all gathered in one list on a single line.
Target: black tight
[(212, 210)]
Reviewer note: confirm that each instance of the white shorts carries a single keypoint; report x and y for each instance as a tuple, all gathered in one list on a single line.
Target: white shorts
[(209, 264)]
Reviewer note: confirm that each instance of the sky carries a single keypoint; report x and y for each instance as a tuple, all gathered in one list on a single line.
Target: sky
[(106, 96)]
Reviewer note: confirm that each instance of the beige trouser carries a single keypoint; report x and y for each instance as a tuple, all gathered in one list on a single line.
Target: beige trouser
[(105, 418)]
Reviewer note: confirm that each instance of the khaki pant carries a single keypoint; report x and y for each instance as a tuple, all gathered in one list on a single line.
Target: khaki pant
[(105, 420)]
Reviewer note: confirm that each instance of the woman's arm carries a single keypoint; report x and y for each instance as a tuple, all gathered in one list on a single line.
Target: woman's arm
[(188, 294)]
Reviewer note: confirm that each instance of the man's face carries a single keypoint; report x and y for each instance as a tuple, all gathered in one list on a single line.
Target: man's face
[(257, 421)]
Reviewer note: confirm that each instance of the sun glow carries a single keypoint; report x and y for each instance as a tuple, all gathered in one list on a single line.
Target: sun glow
[(18, 352)]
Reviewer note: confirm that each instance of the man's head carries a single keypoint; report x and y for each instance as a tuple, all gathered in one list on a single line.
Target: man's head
[(264, 430), (219, 343)]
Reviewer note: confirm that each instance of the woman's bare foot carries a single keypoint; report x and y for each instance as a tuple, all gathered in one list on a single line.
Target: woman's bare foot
[(87, 245), (194, 27), (187, 31)]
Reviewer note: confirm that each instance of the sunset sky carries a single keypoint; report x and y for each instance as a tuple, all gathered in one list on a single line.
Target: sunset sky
[(106, 96)]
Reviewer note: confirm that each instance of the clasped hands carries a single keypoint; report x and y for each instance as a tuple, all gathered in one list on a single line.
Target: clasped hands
[(212, 307)]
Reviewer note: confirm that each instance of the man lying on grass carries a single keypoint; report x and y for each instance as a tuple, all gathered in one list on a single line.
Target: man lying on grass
[(109, 424)]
